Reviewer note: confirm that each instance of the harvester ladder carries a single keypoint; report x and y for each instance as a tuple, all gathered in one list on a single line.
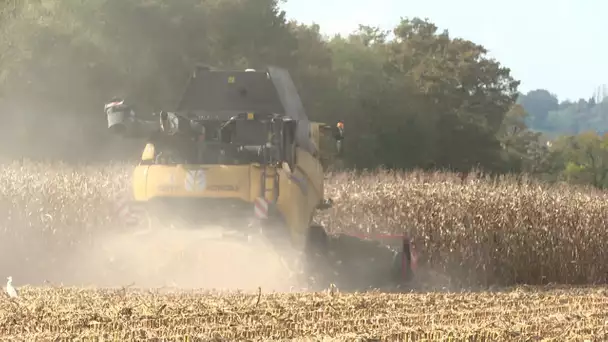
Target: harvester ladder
[(264, 183), (265, 174)]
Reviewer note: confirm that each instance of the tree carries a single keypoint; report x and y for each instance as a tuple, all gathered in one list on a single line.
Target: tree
[(462, 94), (583, 159), (539, 103), (423, 99), (522, 148)]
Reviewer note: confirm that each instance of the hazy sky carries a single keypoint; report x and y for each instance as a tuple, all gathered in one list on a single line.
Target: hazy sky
[(559, 45)]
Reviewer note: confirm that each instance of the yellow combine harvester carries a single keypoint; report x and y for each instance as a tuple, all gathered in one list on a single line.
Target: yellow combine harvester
[(239, 154)]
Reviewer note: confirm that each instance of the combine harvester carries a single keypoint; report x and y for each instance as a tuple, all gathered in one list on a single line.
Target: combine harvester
[(238, 157)]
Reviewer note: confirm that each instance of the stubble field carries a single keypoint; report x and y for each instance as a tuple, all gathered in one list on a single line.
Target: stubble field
[(476, 233), (117, 315)]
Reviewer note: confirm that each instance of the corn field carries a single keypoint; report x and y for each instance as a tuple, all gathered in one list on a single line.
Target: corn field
[(476, 232)]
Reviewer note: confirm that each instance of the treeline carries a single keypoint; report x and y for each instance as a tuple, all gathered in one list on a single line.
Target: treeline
[(422, 99), (553, 117), (575, 134)]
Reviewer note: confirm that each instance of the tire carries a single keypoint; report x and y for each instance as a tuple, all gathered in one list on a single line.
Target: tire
[(317, 241), (402, 271), (317, 269)]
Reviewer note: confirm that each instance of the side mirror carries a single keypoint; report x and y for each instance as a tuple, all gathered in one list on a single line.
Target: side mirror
[(147, 156)]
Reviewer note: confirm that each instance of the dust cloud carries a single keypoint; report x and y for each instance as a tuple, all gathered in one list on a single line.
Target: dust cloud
[(115, 257), (175, 258), (63, 126), (42, 131)]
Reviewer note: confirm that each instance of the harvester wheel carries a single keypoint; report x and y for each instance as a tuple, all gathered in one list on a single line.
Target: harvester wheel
[(316, 263)]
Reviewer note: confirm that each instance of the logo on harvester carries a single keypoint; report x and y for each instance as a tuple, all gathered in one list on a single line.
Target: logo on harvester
[(196, 180)]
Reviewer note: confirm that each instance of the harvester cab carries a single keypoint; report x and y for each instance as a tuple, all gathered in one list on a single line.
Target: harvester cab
[(239, 158)]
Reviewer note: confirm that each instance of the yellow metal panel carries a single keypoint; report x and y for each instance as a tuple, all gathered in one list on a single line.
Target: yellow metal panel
[(139, 182), (254, 182), (300, 193), (312, 170), (210, 181), (290, 205)]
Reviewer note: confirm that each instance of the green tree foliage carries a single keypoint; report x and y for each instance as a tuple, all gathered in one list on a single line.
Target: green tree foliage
[(539, 103), (578, 152), (522, 148), (550, 116), (420, 99), (581, 159)]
